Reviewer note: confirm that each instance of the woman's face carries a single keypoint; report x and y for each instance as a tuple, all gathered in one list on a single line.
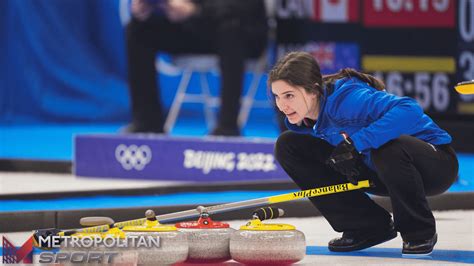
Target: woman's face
[(294, 101)]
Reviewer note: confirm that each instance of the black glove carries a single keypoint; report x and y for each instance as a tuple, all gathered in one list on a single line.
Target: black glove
[(344, 159)]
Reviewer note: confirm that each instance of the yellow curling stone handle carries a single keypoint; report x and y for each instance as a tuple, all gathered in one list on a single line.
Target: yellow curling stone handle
[(114, 232), (257, 225), (150, 226)]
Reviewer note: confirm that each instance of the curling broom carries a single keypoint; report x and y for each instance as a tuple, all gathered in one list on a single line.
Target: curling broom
[(315, 192)]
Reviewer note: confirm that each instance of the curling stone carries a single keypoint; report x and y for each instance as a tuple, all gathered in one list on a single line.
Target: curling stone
[(173, 244), (258, 243), (208, 240), (125, 254)]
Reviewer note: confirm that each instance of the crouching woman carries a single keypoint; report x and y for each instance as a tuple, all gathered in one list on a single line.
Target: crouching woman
[(345, 126)]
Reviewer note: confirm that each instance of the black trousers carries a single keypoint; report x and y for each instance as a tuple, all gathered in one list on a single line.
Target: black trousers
[(228, 40), (408, 170)]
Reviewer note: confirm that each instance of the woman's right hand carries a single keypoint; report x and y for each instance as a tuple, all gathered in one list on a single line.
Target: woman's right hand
[(344, 159)]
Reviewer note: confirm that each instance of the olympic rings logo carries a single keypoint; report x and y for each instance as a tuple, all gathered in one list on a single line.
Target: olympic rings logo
[(133, 157)]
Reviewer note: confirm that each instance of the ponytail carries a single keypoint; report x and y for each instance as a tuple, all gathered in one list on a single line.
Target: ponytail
[(350, 72)]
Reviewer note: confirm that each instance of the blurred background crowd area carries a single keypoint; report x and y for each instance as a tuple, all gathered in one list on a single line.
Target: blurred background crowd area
[(63, 65)]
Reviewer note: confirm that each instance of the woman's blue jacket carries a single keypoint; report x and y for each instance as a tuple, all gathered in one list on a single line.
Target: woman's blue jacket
[(370, 117)]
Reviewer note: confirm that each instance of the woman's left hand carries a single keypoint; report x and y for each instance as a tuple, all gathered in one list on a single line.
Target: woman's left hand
[(344, 159)]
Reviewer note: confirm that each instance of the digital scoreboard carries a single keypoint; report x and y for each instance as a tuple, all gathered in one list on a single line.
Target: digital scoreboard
[(419, 48)]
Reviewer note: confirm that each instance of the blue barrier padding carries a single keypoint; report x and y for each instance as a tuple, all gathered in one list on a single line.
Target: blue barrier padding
[(466, 174), (460, 256), (206, 198), (45, 141), (55, 141), (133, 201)]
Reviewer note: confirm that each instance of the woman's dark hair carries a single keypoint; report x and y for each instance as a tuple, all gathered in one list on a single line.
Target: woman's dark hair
[(301, 69)]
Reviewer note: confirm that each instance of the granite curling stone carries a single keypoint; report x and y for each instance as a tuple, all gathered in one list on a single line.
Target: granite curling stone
[(257, 243), (208, 240), (125, 254), (173, 244)]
